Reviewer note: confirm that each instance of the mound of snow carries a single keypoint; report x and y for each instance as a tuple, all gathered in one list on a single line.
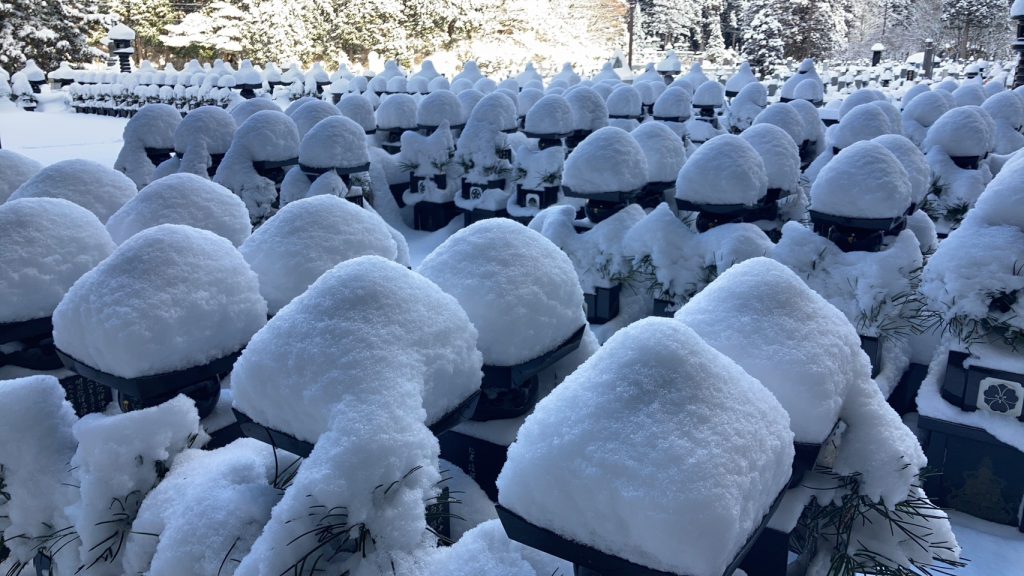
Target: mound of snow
[(609, 160), (724, 170), (153, 126), (864, 181), (654, 397), (311, 113), (664, 151), (246, 108), (551, 114), (15, 170), (780, 155), (913, 161), (589, 111), (169, 298), (786, 117), (864, 122), (92, 186), (183, 199), (962, 131)]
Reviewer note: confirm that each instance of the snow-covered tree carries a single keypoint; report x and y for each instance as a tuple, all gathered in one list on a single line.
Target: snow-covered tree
[(213, 32), (48, 31), (977, 27), (763, 47), (668, 23), (149, 19)]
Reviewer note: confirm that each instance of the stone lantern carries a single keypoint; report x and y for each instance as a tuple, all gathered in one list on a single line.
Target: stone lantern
[(1017, 15), (122, 37), (876, 53)]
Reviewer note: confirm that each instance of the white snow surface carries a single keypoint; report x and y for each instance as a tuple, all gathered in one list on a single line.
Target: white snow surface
[(674, 102), (183, 199), (169, 298), (438, 107), (784, 116), (519, 290), (153, 126), (800, 347), (211, 505), (779, 153), (397, 111), (962, 131), (364, 328), (863, 122), (206, 130), (608, 160), (551, 114), (655, 396), (266, 136), (864, 181), (311, 113), (246, 108), (334, 142), (589, 110), (741, 78), (724, 170), (663, 149), (910, 156), (48, 243), (92, 186), (309, 237), (15, 170), (356, 107)]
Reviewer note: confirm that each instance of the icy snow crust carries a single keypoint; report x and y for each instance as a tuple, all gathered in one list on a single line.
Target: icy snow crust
[(760, 314), (863, 181), (153, 126), (48, 244), (169, 298), (309, 237), (183, 199), (90, 185), (655, 396), (609, 160), (363, 327), (15, 170), (518, 289), (724, 170)]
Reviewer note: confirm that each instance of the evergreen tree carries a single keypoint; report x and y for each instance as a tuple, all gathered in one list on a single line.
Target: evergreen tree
[(668, 22), (47, 31), (149, 19), (763, 47), (976, 27)]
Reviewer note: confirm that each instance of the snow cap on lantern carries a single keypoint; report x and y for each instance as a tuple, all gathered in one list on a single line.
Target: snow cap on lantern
[(438, 107), (246, 108), (527, 98), (913, 161), (609, 160), (470, 71), (709, 95), (1000, 203), (926, 108), (862, 96), (674, 105), (485, 85), (747, 105), (311, 113), (785, 117), (201, 140), (92, 186), (892, 113), (15, 170), (550, 116), (169, 298), (307, 238), (805, 71), (363, 325), (524, 300), (417, 85), (469, 99), (814, 130), (724, 170), (48, 244), (663, 150), (780, 155), (335, 142), (822, 357), (567, 75), (589, 110), (357, 108), (670, 64), (962, 131), (864, 181), (811, 90), (439, 84), (1005, 108), (695, 76), (737, 81), (970, 94), (397, 85), (913, 92), (262, 149), (148, 140), (397, 112), (625, 102), (862, 123), (719, 436)]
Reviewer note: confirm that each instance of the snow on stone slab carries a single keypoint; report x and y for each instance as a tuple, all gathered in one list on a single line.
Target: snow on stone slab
[(15, 170), (962, 131), (440, 106), (363, 326), (524, 298), (206, 512), (92, 186), (677, 443), (205, 131), (764, 317), (169, 298), (913, 161), (864, 122), (779, 153), (267, 136), (48, 244), (784, 116), (486, 549), (334, 142), (35, 422), (116, 466), (153, 126), (589, 110), (741, 78), (183, 199), (724, 170), (551, 114), (609, 160), (311, 113), (397, 111), (663, 150), (246, 108), (309, 237), (864, 181)]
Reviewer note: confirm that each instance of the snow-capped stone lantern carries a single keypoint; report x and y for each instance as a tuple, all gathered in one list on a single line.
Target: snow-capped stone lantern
[(665, 154), (409, 337), (395, 115), (34, 75), (669, 67), (427, 160), (485, 157), (549, 490), (625, 107), (608, 169), (48, 244), (439, 107), (804, 71), (709, 102), (148, 142), (185, 304), (956, 147), (725, 181), (860, 197), (539, 166), (876, 53), (737, 81), (1017, 15), (332, 153), (121, 38), (63, 76), (247, 80), (526, 342), (589, 113)]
